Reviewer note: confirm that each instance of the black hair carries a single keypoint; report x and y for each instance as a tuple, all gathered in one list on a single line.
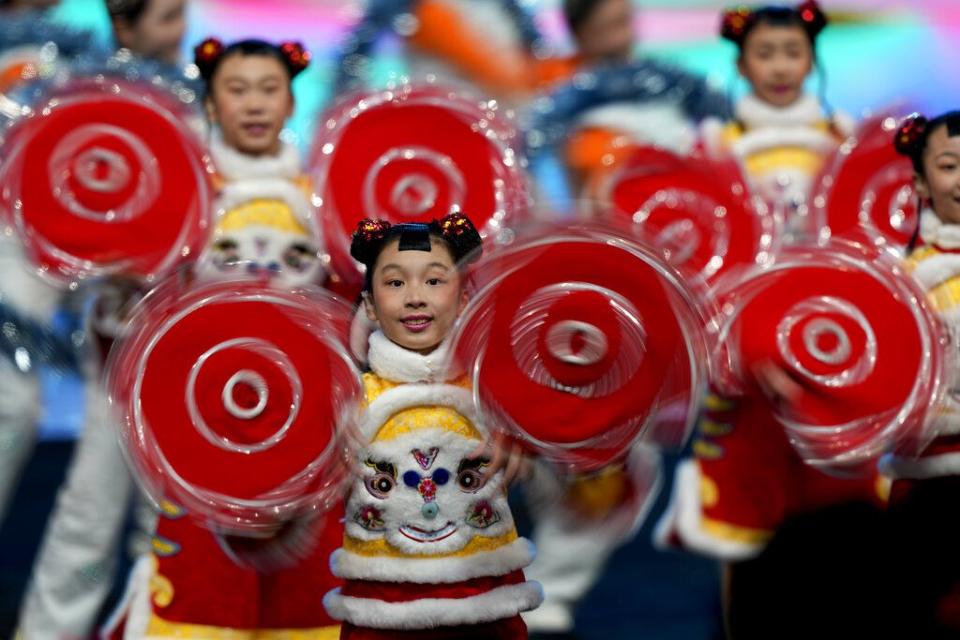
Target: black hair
[(911, 138), (455, 230), (209, 54), (578, 12), (127, 10), (738, 23)]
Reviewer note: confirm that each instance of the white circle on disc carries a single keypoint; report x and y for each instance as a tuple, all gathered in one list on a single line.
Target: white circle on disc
[(117, 174), (253, 379), (560, 337), (819, 327)]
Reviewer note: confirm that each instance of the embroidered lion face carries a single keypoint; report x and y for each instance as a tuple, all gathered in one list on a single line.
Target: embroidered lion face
[(424, 494), (263, 239)]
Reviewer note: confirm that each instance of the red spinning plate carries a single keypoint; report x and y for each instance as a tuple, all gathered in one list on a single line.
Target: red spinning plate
[(414, 153), (197, 426), (851, 328), (578, 343), (104, 178), (697, 209), (866, 189)]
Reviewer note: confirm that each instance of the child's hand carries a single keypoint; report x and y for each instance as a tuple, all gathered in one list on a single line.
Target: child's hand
[(506, 454), (782, 390)]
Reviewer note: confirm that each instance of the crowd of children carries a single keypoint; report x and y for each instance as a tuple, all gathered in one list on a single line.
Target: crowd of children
[(423, 542)]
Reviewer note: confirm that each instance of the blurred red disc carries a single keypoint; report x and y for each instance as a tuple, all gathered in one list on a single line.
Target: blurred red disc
[(578, 344), (415, 153), (852, 329), (697, 209), (104, 178), (231, 393), (866, 189)]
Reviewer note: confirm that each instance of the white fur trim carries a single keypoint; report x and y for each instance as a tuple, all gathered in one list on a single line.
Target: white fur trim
[(661, 123), (937, 269), (897, 467), (134, 608), (550, 617), (234, 165), (499, 562), (754, 113), (498, 604), (757, 140), (844, 123), (407, 396), (391, 361), (20, 285), (684, 517), (934, 231)]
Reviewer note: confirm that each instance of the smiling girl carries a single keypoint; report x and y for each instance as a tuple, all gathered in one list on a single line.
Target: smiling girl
[(925, 527), (780, 134), (430, 550)]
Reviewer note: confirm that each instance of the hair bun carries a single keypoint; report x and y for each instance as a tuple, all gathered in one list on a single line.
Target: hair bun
[(459, 232), (813, 17), (296, 55), (367, 239), (206, 54), (907, 140), (735, 23)]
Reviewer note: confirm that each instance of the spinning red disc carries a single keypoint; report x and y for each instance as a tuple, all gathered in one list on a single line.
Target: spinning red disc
[(580, 344), (867, 188), (414, 154), (231, 394), (849, 326), (696, 209), (106, 178)]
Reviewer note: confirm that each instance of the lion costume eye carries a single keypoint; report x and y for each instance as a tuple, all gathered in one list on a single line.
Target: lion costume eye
[(383, 481), (470, 476)]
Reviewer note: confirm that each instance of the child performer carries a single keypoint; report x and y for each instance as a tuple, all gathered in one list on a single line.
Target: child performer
[(780, 134), (430, 549), (152, 29), (925, 528), (191, 586)]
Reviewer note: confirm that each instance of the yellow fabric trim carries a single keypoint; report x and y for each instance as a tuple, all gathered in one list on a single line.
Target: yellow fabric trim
[(163, 547), (262, 212), (713, 402), (882, 486), (415, 418), (770, 160), (381, 548), (734, 533), (171, 510), (160, 629), (946, 295), (707, 450), (161, 589), (599, 494), (710, 428), (709, 492)]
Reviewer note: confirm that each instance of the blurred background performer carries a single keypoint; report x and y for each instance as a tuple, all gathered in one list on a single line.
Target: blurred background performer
[(75, 568)]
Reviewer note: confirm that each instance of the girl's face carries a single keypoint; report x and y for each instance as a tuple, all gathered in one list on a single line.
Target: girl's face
[(250, 99), (157, 32), (417, 295), (607, 35), (941, 183), (775, 61)]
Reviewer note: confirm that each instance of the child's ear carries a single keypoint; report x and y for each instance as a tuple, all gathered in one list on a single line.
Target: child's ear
[(464, 299), (369, 307), (921, 187)]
